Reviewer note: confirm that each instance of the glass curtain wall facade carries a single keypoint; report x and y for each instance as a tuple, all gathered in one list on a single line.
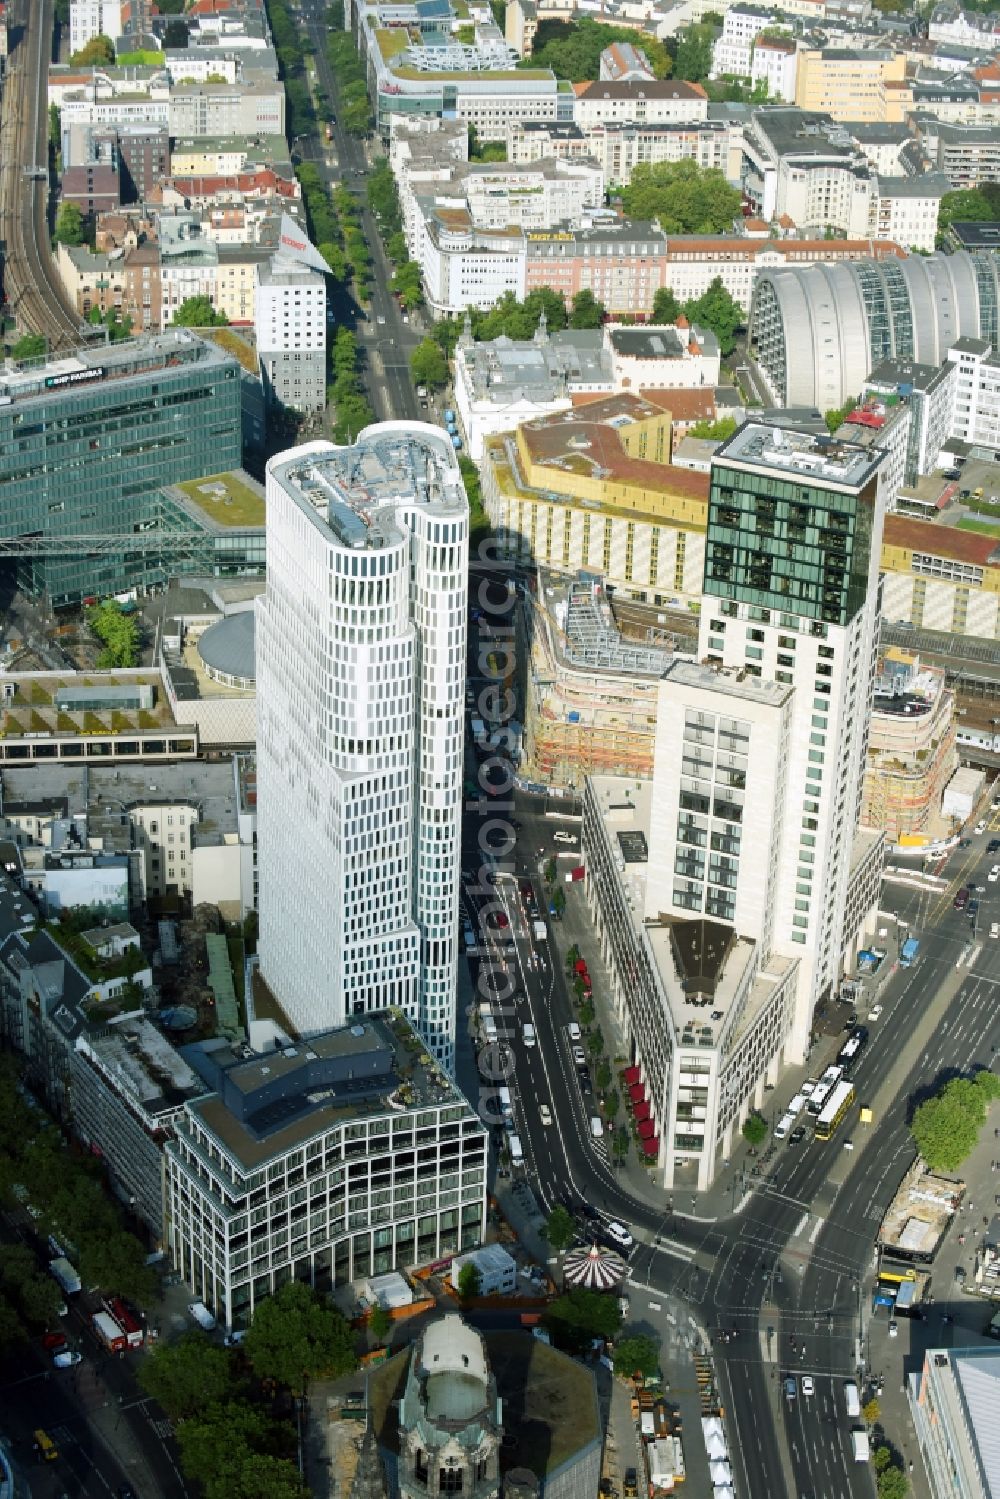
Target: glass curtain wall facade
[(84, 451)]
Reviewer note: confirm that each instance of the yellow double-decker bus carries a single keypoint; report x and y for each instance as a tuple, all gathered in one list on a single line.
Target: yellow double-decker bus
[(834, 1109)]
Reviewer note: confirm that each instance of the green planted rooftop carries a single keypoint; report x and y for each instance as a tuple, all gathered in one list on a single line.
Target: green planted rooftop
[(225, 499)]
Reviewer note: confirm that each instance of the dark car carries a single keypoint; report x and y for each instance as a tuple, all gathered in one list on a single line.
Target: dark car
[(952, 473), (993, 845), (54, 1340), (973, 907), (961, 899), (798, 1135)]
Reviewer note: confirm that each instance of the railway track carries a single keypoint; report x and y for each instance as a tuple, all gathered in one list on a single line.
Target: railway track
[(34, 292)]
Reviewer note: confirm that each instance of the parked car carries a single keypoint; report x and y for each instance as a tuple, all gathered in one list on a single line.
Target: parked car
[(894, 1328), (961, 898), (874, 1012), (67, 1360), (995, 928), (579, 1056), (994, 874), (562, 837), (54, 1340), (979, 828)]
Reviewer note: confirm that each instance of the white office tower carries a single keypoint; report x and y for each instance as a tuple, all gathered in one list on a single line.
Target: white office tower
[(755, 811), (361, 692)]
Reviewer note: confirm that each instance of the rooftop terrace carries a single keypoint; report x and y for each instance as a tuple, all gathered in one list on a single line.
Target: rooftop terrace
[(227, 500), (802, 454)]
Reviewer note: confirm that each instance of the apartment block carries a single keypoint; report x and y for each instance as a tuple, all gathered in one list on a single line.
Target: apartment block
[(626, 514), (620, 147), (326, 1161), (290, 326), (90, 18), (662, 102), (361, 699), (846, 83)]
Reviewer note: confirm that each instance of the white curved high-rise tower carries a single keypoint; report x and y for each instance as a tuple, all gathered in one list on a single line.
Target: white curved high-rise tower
[(360, 689)]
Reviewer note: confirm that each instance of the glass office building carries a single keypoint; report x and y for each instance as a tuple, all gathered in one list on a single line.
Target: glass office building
[(87, 444)]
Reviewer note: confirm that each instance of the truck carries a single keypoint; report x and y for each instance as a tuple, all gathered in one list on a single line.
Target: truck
[(908, 952), (860, 1445), (108, 1331), (201, 1314), (127, 1321), (63, 1272), (540, 930)]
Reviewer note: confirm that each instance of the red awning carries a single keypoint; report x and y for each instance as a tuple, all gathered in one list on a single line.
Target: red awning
[(630, 1075), (636, 1091), (651, 1147), (647, 1129), (641, 1111)]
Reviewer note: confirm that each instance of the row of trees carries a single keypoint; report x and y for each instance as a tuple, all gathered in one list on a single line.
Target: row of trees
[(352, 86), (67, 1192), (593, 1037), (946, 1127), (292, 45), (346, 393), (232, 1446)]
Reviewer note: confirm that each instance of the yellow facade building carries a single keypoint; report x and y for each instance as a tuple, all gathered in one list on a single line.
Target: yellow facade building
[(847, 84)]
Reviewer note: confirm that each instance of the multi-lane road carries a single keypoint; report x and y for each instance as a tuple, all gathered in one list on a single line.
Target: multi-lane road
[(787, 1270), (34, 292), (386, 341)]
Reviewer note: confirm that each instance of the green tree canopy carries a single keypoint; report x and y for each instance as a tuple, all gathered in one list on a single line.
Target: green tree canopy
[(198, 312), (836, 417), (580, 1315), (716, 431), (118, 633), (256, 1475), (408, 283), (99, 52), (560, 1230), (379, 1323), (755, 1129), (572, 49), (69, 224), (31, 346), (693, 57), (717, 310), (666, 308), (428, 365), (586, 311), (965, 205), (295, 1334), (685, 198), (187, 1377), (33, 1296), (215, 1437), (469, 1281), (637, 1354), (945, 1128)]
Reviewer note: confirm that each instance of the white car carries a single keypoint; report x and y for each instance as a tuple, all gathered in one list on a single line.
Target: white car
[(995, 928), (234, 1339), (994, 874), (808, 1388), (893, 1329), (579, 1056), (848, 1144), (995, 806), (874, 1012), (562, 837), (67, 1360), (545, 1113), (620, 1234), (980, 828)]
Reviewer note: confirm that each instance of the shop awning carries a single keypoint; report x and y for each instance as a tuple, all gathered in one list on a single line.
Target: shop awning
[(640, 1111), (651, 1147), (647, 1129), (630, 1075), (636, 1092)]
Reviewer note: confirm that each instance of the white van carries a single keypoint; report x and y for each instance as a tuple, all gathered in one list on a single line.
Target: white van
[(573, 1031), (528, 1032), (783, 1126), (596, 1127), (516, 1153), (797, 1104), (503, 1095), (852, 1399)]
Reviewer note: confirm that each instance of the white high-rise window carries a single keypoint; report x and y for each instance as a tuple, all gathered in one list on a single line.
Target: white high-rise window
[(361, 692)]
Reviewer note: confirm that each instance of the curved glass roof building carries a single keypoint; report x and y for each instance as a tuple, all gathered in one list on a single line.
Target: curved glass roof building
[(817, 331)]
